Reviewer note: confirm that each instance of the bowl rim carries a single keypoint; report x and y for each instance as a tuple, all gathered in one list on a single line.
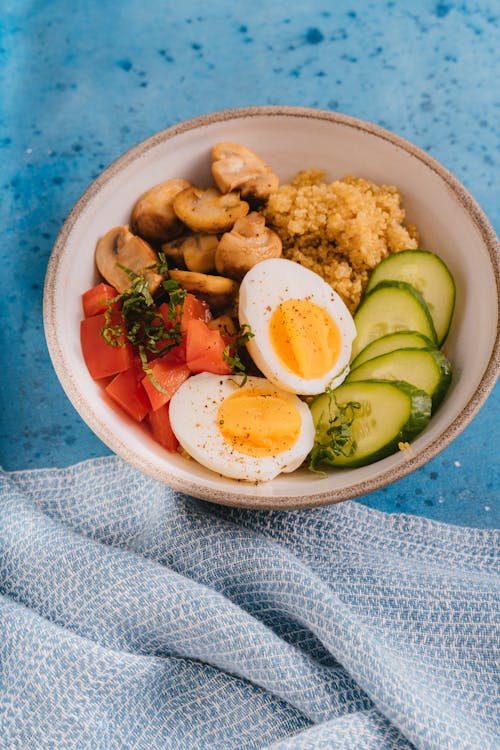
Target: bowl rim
[(234, 497)]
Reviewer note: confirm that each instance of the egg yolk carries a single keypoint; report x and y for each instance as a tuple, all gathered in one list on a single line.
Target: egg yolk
[(259, 423), (305, 338)]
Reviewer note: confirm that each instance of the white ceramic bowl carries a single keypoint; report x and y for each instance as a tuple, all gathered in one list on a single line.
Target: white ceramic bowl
[(290, 139)]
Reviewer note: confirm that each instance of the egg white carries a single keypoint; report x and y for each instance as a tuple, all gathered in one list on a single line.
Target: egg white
[(262, 290), (193, 416)]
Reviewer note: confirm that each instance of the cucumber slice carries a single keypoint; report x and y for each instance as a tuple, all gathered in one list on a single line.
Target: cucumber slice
[(429, 275), (391, 306), (385, 344), (426, 369), (390, 413)]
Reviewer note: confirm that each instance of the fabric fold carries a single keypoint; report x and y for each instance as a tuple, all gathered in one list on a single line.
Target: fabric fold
[(373, 627), (129, 603), (59, 690)]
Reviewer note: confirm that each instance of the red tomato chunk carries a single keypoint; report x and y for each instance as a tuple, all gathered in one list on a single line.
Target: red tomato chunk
[(102, 359), (159, 422), (95, 300), (201, 350), (169, 376), (193, 308), (127, 390), (205, 348), (176, 355)]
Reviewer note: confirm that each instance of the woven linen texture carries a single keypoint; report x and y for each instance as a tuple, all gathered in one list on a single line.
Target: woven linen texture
[(134, 617)]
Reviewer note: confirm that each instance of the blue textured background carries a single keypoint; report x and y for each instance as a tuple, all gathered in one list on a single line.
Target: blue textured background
[(80, 85)]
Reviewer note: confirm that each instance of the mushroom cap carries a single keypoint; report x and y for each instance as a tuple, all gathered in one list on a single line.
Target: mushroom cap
[(173, 249), (217, 291), (237, 167), (209, 211), (248, 243), (196, 252), (199, 252), (120, 246), (153, 216), (226, 324)]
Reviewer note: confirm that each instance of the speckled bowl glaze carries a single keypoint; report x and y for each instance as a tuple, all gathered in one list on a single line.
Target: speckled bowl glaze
[(290, 139)]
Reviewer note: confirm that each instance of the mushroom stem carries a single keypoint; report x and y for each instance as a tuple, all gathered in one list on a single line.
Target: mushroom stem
[(196, 252), (236, 167), (208, 210), (217, 291), (248, 243)]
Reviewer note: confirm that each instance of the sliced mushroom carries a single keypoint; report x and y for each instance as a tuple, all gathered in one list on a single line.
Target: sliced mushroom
[(174, 252), (153, 217), (225, 324), (199, 252), (249, 242), (120, 246), (217, 291), (208, 210), (196, 252), (236, 167)]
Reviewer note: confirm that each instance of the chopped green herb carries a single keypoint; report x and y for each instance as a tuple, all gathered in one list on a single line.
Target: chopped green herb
[(149, 372), (161, 266), (336, 438), (176, 301), (142, 325), (231, 353), (111, 334), (139, 284)]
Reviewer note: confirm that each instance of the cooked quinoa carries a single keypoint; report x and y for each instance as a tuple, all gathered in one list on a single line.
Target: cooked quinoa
[(341, 229)]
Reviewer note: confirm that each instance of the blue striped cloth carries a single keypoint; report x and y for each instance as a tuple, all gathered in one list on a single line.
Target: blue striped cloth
[(134, 617)]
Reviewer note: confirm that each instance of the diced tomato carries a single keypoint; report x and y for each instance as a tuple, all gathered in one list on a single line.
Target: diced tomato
[(193, 308), (177, 355), (101, 358), (178, 352), (159, 421), (127, 390), (169, 376), (163, 310), (205, 348), (95, 300)]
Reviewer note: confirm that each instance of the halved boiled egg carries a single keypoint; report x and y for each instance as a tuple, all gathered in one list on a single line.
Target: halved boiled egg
[(302, 330), (253, 432)]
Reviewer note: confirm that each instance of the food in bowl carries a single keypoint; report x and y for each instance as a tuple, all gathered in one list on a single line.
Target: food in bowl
[(449, 221), (225, 365), (340, 229), (302, 332), (251, 431)]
